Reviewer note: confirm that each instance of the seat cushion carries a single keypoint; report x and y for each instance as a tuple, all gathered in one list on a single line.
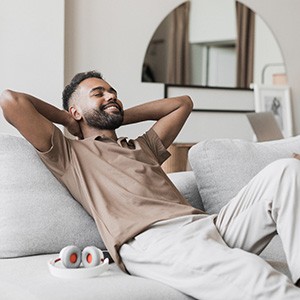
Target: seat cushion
[(29, 278)]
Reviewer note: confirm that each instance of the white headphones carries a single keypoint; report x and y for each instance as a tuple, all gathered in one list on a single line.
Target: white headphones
[(68, 265)]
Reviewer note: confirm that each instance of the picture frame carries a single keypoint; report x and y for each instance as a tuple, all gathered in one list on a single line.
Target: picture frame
[(275, 99)]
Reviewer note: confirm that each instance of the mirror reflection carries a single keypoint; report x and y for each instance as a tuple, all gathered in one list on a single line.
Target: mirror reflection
[(213, 43)]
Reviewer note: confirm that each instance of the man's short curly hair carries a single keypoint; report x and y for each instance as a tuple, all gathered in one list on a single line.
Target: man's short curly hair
[(71, 88)]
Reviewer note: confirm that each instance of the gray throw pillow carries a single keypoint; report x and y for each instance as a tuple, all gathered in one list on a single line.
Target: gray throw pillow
[(223, 166), (37, 213)]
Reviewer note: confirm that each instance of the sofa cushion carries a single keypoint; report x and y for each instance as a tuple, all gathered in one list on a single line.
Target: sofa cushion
[(37, 213), (223, 166), (28, 278), (185, 182)]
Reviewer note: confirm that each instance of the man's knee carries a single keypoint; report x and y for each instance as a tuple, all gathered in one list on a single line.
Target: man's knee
[(286, 167), (289, 164)]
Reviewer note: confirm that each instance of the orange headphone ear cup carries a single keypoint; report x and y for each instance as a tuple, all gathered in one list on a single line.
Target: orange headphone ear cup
[(70, 256), (92, 257)]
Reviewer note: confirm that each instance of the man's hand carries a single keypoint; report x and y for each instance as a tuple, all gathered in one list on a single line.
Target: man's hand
[(296, 155), (73, 127)]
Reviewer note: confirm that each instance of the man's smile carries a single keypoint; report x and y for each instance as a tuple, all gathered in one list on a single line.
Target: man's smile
[(112, 107)]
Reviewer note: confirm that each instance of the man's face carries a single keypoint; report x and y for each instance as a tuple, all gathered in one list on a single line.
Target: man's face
[(100, 106)]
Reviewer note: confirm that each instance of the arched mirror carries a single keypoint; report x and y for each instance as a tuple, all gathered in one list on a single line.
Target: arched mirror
[(213, 43)]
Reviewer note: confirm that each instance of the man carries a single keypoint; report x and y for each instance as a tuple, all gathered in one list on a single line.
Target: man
[(148, 227)]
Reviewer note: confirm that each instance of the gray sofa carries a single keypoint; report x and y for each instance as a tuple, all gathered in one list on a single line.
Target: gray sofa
[(38, 217)]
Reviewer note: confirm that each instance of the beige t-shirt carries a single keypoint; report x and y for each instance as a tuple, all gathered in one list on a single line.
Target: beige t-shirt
[(119, 183)]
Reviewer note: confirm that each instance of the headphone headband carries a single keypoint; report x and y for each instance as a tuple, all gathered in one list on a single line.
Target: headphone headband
[(57, 269), (74, 263)]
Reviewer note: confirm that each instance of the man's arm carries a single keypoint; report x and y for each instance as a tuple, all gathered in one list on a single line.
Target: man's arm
[(33, 118), (170, 114)]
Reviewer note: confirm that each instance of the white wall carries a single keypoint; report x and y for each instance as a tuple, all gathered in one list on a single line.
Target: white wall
[(32, 49), (282, 16), (266, 51)]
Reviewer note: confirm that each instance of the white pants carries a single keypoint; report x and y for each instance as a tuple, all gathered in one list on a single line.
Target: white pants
[(204, 256)]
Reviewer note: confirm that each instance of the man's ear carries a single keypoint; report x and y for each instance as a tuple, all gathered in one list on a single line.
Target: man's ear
[(75, 113)]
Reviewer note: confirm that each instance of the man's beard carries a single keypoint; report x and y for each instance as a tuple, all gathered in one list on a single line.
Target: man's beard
[(100, 119)]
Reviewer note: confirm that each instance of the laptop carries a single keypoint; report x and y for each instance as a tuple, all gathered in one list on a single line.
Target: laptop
[(265, 126)]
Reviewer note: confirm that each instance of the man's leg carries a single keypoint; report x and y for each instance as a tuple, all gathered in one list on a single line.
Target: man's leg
[(190, 255), (270, 203)]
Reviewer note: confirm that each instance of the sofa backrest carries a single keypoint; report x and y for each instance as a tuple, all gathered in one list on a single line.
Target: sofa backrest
[(37, 213)]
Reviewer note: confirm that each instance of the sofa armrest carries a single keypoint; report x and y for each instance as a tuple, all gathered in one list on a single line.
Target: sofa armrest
[(185, 182)]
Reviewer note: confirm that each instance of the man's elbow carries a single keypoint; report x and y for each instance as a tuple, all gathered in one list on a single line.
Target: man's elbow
[(9, 103), (7, 97), (188, 102)]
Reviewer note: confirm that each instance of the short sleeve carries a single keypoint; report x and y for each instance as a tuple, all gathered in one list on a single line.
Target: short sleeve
[(156, 146), (57, 158)]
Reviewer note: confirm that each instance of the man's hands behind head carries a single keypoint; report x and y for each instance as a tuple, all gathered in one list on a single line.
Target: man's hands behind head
[(73, 127)]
